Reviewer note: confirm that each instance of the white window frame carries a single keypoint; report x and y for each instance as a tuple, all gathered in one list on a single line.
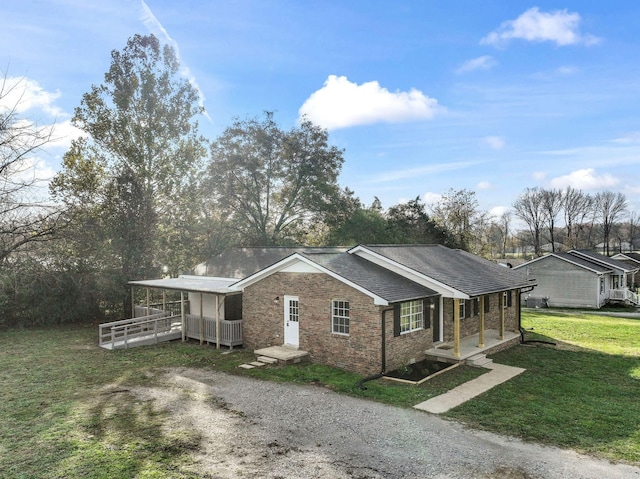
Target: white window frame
[(462, 308), (411, 316), (340, 317)]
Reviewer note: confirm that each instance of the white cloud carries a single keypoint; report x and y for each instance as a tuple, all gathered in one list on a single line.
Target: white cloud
[(628, 138), (24, 94), (498, 211), (431, 199), (63, 133), (495, 142), (341, 104), (420, 171), (154, 26), (585, 179), (484, 62), (539, 175), (559, 26), (484, 185)]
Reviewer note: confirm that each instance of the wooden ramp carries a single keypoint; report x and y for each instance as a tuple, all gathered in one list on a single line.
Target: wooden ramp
[(143, 331)]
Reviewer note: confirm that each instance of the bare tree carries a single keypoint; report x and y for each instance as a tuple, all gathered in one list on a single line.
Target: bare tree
[(634, 220), (504, 223), (25, 216), (551, 205), (609, 206), (529, 208), (576, 205)]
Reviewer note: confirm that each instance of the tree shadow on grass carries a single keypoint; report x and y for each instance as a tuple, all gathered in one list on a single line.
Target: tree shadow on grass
[(120, 435)]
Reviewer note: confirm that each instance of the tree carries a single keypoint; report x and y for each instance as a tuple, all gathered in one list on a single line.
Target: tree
[(551, 206), (576, 206), (26, 217), (270, 182), (133, 176), (530, 209), (609, 206), (457, 211), (410, 223)]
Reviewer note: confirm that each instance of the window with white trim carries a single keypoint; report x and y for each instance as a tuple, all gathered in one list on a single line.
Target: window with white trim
[(340, 317), (411, 316), (461, 308)]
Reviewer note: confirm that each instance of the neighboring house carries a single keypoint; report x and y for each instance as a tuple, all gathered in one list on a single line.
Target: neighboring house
[(367, 309), (633, 260), (580, 279)]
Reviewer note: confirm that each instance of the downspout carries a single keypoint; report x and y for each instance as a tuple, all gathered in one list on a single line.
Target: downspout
[(383, 353), (520, 328)]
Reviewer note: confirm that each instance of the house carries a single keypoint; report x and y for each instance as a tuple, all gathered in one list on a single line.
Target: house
[(579, 279), (633, 260), (366, 309)]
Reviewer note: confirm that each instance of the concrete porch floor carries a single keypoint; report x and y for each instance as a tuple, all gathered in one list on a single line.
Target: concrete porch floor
[(469, 345)]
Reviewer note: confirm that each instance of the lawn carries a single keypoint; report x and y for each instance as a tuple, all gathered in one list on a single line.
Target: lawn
[(583, 394), (65, 411)]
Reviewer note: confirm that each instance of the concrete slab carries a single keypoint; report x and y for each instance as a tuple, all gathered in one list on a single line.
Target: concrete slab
[(246, 366), (257, 364), (281, 353), (267, 360), (498, 374)]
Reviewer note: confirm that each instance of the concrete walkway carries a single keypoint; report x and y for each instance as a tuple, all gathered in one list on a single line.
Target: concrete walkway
[(499, 373)]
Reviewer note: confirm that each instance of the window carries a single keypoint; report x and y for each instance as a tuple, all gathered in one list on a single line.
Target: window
[(411, 316), (506, 299), (340, 317), (601, 284), (461, 308)]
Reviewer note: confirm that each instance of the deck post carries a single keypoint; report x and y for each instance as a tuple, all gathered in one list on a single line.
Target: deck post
[(148, 302), (456, 327), (217, 321), (481, 332), (184, 329), (501, 316), (201, 323), (164, 300), (133, 304)]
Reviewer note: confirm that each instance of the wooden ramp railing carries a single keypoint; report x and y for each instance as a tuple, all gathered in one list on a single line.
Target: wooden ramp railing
[(144, 330)]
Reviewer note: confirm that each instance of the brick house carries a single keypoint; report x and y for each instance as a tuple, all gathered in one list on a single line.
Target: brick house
[(371, 308)]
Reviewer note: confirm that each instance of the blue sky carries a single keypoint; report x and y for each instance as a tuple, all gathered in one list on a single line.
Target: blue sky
[(423, 96)]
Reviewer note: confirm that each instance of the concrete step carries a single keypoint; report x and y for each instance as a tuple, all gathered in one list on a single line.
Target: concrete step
[(267, 360), (479, 361)]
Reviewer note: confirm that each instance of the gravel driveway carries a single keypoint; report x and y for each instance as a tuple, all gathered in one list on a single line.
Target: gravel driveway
[(252, 428)]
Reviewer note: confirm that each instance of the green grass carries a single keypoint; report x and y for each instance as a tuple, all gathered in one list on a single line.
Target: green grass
[(66, 409), (57, 420), (582, 395)]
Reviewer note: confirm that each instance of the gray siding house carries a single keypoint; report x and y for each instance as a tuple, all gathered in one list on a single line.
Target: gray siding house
[(579, 279)]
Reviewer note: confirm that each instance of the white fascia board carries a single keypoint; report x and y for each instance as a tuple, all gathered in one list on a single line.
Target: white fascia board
[(296, 257), (422, 279)]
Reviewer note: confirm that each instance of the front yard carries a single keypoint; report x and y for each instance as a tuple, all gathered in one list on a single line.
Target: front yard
[(62, 404)]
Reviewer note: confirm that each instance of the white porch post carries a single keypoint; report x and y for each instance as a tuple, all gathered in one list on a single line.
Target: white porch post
[(164, 300), (201, 322), (217, 321), (184, 329), (456, 328), (133, 304), (148, 301), (481, 332), (501, 295)]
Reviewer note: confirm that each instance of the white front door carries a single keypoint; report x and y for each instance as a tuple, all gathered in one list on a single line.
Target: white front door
[(291, 321)]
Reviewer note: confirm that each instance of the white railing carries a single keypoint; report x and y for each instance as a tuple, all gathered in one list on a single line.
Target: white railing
[(121, 333), (230, 331), (624, 295)]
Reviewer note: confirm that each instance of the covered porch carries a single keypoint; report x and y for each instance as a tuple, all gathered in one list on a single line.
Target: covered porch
[(470, 345), (199, 315)]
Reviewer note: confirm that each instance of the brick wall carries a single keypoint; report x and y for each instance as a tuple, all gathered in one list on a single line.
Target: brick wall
[(263, 324), (361, 350)]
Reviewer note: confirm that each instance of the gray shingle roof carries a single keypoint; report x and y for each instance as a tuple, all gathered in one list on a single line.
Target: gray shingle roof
[(242, 262), (584, 262), (599, 258), (384, 283), (455, 268)]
